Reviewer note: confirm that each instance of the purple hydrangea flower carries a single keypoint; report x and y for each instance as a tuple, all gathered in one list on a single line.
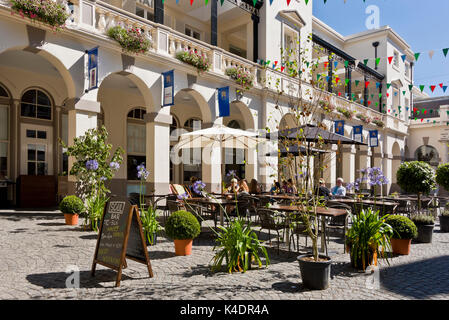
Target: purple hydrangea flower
[(92, 165), (114, 165), (199, 186), (183, 196), (142, 172)]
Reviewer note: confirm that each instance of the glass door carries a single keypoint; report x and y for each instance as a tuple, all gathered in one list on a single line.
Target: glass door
[(36, 150)]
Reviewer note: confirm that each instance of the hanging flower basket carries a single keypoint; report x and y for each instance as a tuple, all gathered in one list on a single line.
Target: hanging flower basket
[(131, 40), (241, 77), (364, 118), (347, 113), (378, 122), (46, 11), (199, 61), (326, 106)]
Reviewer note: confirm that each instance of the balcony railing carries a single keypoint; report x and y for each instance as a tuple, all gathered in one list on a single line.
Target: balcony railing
[(97, 17)]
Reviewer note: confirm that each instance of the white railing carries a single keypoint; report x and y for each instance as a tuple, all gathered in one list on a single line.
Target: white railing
[(97, 17)]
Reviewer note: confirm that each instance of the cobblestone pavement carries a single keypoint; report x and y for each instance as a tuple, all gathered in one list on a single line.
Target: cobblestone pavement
[(37, 249)]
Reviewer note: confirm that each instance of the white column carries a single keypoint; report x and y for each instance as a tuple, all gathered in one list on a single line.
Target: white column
[(348, 163), (388, 172), (330, 168), (158, 151)]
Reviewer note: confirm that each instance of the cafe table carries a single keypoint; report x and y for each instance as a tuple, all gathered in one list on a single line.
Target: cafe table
[(355, 202), (320, 211), (220, 202)]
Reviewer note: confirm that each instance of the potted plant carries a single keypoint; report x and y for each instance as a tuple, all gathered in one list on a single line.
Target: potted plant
[(150, 225), (238, 245), (71, 207), (347, 113), (404, 230), (425, 225), (182, 226), (444, 220), (241, 77), (378, 122), (416, 177), (46, 11), (368, 238), (131, 39), (199, 61)]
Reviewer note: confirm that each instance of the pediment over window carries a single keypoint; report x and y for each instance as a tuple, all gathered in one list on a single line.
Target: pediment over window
[(293, 17)]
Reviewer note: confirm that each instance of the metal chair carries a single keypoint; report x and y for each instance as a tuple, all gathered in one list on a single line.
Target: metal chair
[(299, 229), (339, 223), (272, 220)]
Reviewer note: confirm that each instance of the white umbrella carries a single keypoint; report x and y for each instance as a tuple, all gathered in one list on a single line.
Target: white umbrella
[(219, 136)]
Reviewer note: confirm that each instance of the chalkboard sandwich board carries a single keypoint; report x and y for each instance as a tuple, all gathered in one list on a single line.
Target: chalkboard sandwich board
[(120, 237)]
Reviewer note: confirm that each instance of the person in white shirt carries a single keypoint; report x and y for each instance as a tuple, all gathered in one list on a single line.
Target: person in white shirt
[(339, 190)]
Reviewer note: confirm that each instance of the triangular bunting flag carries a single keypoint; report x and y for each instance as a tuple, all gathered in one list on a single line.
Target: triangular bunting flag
[(390, 59), (346, 63), (388, 85), (445, 51), (432, 88), (377, 61), (444, 88), (410, 87), (335, 64), (404, 56), (366, 84), (357, 82), (346, 81), (365, 62), (421, 87), (417, 56), (441, 85)]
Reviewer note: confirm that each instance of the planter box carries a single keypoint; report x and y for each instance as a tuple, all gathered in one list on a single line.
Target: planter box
[(401, 246)]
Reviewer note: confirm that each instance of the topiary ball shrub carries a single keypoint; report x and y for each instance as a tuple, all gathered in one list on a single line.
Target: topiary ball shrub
[(182, 225), (71, 204), (403, 227), (443, 175), (416, 177)]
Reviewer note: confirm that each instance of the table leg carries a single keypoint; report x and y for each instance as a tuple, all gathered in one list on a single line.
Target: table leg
[(323, 248), (221, 216)]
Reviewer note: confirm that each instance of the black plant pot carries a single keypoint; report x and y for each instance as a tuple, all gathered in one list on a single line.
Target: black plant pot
[(444, 224), (425, 232), (315, 275)]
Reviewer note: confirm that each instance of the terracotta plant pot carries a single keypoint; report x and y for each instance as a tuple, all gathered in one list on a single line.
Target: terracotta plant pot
[(401, 246), (370, 260), (183, 247), (71, 219)]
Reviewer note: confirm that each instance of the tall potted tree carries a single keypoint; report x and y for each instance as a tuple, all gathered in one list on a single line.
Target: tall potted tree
[(416, 177), (306, 92), (442, 178)]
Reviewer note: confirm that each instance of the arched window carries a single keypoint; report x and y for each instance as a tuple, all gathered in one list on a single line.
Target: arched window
[(192, 124), (35, 104), (428, 154), (4, 135), (234, 124), (136, 142)]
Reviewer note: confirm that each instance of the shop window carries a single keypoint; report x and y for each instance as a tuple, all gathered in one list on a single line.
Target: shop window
[(136, 142)]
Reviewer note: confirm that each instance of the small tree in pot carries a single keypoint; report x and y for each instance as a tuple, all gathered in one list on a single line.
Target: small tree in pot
[(182, 226), (416, 177), (425, 225), (404, 230), (71, 207), (442, 178)]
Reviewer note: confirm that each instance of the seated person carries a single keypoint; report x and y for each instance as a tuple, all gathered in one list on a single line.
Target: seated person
[(322, 190), (234, 187), (276, 188), (291, 188), (339, 190), (254, 187), (243, 186)]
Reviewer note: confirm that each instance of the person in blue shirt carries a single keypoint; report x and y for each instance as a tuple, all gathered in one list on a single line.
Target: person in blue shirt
[(339, 190)]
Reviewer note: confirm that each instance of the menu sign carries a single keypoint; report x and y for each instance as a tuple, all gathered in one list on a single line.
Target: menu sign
[(120, 237)]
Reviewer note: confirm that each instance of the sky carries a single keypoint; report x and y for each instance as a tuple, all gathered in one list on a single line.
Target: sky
[(423, 24)]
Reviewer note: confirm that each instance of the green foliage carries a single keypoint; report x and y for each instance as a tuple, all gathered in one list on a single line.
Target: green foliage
[(378, 122), (423, 219), (369, 233), (182, 225), (442, 175), (95, 208), (47, 11), (200, 62), (363, 118), (242, 77), (403, 227), (131, 40), (93, 147), (71, 204), (416, 177), (149, 223), (347, 113), (235, 244)]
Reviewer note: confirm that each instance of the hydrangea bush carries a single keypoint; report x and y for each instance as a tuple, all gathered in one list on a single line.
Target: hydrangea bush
[(47, 11), (131, 40)]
